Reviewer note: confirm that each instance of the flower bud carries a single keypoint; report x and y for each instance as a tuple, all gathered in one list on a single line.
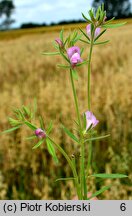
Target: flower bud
[(40, 133), (59, 42)]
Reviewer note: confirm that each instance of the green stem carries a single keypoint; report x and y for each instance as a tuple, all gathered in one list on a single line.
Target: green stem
[(82, 159), (82, 171), (89, 158), (89, 100), (75, 99), (70, 164), (89, 71)]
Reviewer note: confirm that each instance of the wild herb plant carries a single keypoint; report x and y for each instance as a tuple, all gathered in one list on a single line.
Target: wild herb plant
[(85, 123)]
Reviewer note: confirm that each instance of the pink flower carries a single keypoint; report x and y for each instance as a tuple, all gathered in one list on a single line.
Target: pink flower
[(88, 30), (40, 133), (90, 120), (74, 55), (59, 42)]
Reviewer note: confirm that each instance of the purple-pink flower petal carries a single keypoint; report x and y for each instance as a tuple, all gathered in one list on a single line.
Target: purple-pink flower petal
[(75, 58), (74, 55), (97, 32), (88, 30), (73, 50), (90, 120), (40, 133)]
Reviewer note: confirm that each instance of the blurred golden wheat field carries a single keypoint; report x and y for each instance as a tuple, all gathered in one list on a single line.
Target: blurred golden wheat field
[(25, 74)]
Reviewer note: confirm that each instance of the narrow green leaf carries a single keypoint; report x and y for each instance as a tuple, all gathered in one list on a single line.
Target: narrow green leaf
[(52, 53), (113, 25), (91, 14), (85, 187), (97, 138), (61, 35), (34, 107), (21, 114), (55, 45), (14, 122), (101, 42), (10, 130), (82, 63), (64, 179), (89, 21), (85, 34), (31, 137), (74, 74), (100, 35), (49, 128), (84, 121), (104, 175), (16, 113), (87, 42), (65, 41), (41, 122), (102, 6), (65, 57), (51, 150), (82, 50), (71, 135), (33, 127), (63, 66), (38, 144), (100, 191), (109, 20), (26, 110), (77, 38), (98, 12)]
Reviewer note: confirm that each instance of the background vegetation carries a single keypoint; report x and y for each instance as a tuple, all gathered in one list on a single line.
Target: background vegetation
[(25, 74)]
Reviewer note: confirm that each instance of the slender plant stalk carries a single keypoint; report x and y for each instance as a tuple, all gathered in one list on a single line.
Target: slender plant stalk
[(82, 158), (70, 164), (89, 71), (89, 100), (75, 99)]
